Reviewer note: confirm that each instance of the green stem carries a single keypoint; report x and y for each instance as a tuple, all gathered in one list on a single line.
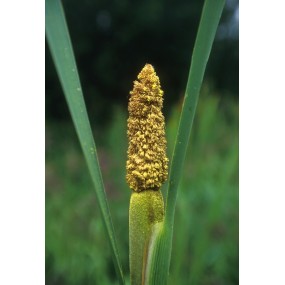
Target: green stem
[(146, 212)]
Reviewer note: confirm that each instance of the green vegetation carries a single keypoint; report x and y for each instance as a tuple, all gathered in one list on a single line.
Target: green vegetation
[(205, 241), (162, 247), (94, 258), (62, 52)]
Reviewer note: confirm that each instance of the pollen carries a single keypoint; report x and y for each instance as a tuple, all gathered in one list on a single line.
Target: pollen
[(147, 164)]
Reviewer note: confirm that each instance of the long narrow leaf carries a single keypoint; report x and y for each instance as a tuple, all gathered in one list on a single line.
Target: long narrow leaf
[(211, 14), (62, 53), (206, 33)]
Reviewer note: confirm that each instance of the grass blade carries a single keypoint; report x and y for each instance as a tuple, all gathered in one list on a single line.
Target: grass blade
[(62, 53), (161, 254), (211, 14)]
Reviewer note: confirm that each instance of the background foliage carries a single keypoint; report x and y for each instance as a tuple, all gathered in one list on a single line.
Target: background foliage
[(112, 41)]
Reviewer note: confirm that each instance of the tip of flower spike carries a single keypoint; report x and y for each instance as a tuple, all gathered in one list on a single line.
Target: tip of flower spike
[(148, 74), (148, 67)]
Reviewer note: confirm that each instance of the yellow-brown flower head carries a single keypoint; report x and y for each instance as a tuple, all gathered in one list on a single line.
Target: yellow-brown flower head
[(147, 165)]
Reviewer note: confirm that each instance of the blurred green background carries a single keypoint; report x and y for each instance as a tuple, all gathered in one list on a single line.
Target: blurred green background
[(112, 41)]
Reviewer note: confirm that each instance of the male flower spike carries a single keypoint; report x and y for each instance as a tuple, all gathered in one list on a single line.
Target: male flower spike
[(147, 165)]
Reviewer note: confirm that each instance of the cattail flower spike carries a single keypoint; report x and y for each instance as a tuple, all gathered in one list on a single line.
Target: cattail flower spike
[(147, 167)]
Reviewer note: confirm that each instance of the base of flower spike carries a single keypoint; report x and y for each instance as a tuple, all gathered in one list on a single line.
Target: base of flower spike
[(146, 210)]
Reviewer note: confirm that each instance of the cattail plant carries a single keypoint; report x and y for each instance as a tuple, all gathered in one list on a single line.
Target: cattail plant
[(147, 167), (151, 224)]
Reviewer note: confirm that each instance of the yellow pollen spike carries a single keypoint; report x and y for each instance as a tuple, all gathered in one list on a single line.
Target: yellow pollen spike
[(146, 134)]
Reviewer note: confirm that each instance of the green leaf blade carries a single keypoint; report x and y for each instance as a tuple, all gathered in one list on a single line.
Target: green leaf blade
[(61, 49), (205, 37), (210, 18)]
